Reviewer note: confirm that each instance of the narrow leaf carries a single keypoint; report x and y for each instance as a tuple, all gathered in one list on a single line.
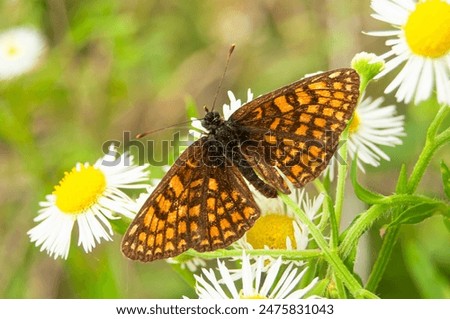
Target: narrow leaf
[(365, 195), (416, 214)]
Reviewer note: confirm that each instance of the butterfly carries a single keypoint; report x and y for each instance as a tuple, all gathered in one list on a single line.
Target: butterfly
[(204, 203)]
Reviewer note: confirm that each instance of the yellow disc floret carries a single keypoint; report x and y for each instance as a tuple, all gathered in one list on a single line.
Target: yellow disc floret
[(79, 189), (354, 124), (255, 296), (427, 29), (12, 51), (272, 230)]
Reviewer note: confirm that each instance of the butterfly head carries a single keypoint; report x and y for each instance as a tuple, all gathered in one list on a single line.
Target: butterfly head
[(212, 121)]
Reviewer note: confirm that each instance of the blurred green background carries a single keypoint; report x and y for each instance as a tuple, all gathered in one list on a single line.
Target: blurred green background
[(115, 66)]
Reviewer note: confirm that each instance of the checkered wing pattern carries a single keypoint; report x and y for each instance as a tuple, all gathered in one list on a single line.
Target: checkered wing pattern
[(196, 205), (297, 127)]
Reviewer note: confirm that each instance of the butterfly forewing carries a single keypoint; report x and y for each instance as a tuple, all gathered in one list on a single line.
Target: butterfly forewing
[(298, 126), (196, 205)]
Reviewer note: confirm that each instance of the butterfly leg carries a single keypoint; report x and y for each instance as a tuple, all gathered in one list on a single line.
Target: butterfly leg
[(247, 171)]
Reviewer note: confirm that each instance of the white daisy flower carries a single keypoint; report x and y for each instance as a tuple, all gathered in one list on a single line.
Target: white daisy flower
[(88, 195), (372, 126), (21, 49), (421, 41), (254, 282), (278, 227)]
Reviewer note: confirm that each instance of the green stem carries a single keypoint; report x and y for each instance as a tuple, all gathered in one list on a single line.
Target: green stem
[(389, 240), (342, 176), (366, 219), (442, 138), (286, 254), (432, 143), (359, 226), (420, 167), (331, 256)]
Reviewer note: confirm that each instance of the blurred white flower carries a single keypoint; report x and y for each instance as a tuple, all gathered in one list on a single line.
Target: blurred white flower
[(21, 50)]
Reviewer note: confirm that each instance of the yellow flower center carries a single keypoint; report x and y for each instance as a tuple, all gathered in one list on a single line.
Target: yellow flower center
[(255, 296), (427, 29), (79, 189), (272, 230), (354, 124), (12, 51)]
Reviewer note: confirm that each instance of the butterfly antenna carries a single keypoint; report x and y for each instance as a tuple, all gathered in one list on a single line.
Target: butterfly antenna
[(230, 51), (141, 135)]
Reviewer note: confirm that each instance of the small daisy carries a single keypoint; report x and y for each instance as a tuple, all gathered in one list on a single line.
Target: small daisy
[(279, 227), (372, 126), (88, 195), (422, 40), (20, 51), (255, 281)]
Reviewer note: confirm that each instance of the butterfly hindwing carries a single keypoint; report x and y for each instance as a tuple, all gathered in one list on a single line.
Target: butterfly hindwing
[(196, 205), (298, 126)]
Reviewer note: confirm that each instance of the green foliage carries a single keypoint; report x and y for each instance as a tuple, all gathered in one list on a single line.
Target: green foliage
[(430, 282), (418, 213), (362, 193)]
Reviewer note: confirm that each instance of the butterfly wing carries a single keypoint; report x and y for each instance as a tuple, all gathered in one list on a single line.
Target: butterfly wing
[(196, 205), (297, 127)]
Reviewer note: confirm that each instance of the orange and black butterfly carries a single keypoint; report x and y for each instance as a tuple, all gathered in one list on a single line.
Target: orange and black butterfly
[(204, 202)]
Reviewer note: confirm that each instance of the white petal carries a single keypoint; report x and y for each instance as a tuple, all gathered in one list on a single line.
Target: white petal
[(226, 277), (270, 278), (53, 233)]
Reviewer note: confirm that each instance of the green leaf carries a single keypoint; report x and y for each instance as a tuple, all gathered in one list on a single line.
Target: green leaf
[(445, 178), (428, 280), (417, 213), (362, 193), (402, 181)]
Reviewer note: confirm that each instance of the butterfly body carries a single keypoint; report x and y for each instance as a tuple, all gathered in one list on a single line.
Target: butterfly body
[(204, 203), (224, 143)]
